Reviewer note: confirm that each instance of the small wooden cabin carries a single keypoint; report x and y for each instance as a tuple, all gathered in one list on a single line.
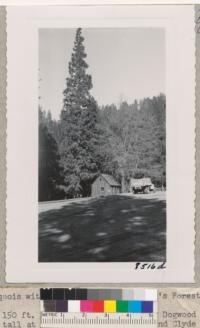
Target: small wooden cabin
[(105, 185)]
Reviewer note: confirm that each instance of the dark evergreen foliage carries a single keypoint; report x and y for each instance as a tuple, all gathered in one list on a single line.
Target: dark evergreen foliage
[(50, 171)]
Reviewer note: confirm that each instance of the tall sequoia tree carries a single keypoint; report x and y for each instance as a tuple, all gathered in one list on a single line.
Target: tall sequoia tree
[(80, 146)]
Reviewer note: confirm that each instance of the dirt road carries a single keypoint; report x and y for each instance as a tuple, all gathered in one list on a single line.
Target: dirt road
[(119, 228)]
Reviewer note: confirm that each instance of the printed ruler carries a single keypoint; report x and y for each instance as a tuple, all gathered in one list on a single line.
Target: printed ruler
[(104, 320)]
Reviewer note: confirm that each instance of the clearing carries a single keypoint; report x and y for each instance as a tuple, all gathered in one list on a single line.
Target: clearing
[(118, 228)]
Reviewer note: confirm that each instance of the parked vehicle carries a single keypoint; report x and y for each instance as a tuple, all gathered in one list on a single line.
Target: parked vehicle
[(143, 185)]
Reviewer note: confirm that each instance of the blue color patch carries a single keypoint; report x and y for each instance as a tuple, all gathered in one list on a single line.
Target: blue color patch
[(135, 306), (147, 306)]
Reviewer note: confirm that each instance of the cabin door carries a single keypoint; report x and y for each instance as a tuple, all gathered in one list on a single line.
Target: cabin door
[(102, 191)]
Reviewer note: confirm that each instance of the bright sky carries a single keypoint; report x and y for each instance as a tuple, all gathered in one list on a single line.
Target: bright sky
[(125, 64)]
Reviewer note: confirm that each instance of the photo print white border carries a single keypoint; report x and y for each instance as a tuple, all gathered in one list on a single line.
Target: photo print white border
[(22, 142)]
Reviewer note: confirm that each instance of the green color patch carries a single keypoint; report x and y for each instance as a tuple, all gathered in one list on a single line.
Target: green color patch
[(122, 306)]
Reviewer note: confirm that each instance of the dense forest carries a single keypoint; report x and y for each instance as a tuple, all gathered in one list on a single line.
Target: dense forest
[(128, 140)]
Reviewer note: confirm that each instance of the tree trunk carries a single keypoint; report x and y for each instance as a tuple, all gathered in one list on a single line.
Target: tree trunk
[(123, 181)]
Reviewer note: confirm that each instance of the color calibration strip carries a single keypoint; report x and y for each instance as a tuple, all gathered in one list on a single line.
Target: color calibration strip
[(98, 306), (81, 300), (139, 294)]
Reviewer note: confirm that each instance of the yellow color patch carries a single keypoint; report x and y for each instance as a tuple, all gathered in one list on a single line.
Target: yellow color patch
[(109, 306)]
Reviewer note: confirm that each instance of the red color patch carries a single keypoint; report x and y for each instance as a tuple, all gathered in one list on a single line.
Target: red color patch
[(98, 306)]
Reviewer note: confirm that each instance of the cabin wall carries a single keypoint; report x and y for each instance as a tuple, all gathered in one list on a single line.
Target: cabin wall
[(101, 188)]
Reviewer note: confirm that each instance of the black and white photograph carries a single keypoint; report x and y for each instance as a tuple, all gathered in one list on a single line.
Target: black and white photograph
[(102, 145)]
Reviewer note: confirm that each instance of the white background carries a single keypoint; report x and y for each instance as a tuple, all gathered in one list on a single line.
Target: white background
[(94, 2), (22, 142)]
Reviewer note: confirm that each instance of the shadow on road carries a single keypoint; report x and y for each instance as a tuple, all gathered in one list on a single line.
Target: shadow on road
[(115, 228)]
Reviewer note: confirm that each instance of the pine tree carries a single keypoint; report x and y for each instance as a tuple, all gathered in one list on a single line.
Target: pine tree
[(80, 146)]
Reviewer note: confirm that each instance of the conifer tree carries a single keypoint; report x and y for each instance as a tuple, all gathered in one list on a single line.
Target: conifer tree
[(80, 146), (50, 171)]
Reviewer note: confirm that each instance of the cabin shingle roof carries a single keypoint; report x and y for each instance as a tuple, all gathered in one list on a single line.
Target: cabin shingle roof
[(110, 180)]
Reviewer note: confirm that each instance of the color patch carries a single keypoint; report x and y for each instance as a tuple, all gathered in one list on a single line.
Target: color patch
[(98, 306), (135, 306), (109, 306), (147, 307), (116, 294), (58, 293), (61, 306), (93, 294), (70, 294), (139, 294), (127, 294), (74, 306), (122, 306), (151, 295), (104, 294), (81, 294), (46, 294), (49, 306), (86, 306)]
